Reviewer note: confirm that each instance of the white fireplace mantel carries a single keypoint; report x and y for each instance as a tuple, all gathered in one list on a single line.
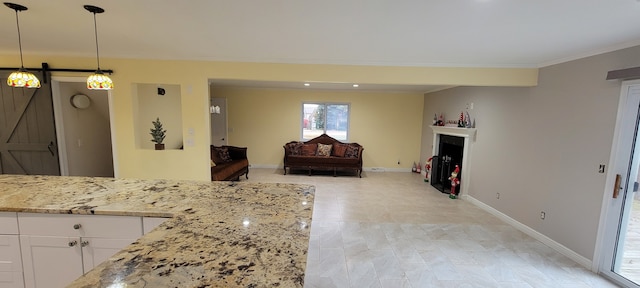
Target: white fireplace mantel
[(455, 131), (469, 135)]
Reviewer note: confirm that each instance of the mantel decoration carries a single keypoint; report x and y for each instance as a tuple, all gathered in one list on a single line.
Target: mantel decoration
[(464, 121), (98, 80), (158, 134), (22, 77)]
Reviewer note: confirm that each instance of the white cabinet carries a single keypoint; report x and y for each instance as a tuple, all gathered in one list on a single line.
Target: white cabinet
[(97, 250), (50, 261), (57, 249), (10, 259)]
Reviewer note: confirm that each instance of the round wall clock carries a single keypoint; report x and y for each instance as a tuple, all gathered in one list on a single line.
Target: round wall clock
[(80, 101)]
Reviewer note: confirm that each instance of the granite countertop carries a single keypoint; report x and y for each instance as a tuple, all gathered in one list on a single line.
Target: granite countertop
[(221, 234)]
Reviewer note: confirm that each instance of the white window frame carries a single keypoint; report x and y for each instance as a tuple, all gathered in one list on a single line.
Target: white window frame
[(325, 120)]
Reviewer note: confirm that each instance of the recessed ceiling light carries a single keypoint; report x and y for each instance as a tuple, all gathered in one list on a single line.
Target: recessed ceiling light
[(307, 84), (355, 85)]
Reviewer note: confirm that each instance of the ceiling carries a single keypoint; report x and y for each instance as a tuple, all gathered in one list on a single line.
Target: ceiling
[(442, 33)]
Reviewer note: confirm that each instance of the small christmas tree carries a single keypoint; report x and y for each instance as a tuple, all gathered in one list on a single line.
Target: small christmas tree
[(157, 133)]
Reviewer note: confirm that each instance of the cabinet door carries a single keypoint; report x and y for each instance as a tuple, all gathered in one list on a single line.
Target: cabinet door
[(97, 250), (10, 262), (50, 261)]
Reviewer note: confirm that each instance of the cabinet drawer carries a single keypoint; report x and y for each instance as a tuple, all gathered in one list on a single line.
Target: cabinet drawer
[(8, 223), (80, 225), (10, 259)]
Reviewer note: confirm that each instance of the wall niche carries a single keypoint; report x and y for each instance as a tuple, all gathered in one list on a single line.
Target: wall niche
[(163, 101)]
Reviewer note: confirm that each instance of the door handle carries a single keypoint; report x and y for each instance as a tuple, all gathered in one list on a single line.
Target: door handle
[(616, 186), (50, 147)]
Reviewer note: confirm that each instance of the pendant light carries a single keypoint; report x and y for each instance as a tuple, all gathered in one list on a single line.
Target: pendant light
[(22, 77), (97, 80)]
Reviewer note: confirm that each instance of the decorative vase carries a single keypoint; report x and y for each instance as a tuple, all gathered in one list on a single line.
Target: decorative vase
[(159, 146)]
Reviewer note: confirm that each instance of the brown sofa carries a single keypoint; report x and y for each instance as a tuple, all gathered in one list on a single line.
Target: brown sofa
[(313, 154), (228, 163)]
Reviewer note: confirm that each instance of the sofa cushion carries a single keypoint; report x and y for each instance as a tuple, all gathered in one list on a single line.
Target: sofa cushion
[(352, 151), (324, 150), (339, 149), (224, 171), (331, 161), (309, 149)]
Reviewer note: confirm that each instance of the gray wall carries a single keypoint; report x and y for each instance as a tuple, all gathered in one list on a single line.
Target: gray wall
[(540, 147)]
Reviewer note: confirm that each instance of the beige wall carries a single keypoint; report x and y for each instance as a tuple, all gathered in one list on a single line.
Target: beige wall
[(387, 125), (193, 78), (151, 106), (540, 147)]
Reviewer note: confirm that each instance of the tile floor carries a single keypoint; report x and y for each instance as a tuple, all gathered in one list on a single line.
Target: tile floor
[(393, 230)]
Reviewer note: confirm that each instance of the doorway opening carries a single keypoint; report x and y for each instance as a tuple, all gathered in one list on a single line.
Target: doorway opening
[(84, 128), (619, 234)]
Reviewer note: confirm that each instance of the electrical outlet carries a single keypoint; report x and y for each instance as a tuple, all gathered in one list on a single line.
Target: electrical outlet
[(543, 215), (497, 195), (601, 168)]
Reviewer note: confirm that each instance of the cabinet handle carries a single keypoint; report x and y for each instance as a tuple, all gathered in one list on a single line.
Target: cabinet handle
[(73, 243), (84, 243), (77, 226)]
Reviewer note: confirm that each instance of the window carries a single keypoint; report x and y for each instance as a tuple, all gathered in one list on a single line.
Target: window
[(332, 119)]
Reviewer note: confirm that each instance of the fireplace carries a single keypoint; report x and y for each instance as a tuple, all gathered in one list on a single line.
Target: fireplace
[(451, 147), (450, 154)]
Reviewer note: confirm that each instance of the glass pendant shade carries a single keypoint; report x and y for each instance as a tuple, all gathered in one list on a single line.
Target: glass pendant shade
[(23, 78), (99, 81)]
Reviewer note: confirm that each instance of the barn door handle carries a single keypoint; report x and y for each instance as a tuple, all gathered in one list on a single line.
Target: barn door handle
[(50, 147)]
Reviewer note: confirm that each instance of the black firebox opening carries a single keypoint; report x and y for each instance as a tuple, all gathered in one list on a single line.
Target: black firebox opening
[(449, 155)]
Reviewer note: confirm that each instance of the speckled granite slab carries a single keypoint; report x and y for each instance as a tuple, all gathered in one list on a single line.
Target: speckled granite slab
[(221, 234)]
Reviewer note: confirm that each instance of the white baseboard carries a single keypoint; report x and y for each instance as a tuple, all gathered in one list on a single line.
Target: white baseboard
[(264, 166), (533, 233), (384, 169)]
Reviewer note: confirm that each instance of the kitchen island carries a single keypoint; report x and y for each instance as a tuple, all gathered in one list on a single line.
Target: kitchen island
[(219, 234)]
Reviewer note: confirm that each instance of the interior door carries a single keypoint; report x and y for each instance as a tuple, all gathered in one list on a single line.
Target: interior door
[(218, 112), (27, 130), (621, 245)]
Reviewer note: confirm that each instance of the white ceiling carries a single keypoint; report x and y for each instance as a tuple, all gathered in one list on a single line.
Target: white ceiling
[(454, 33)]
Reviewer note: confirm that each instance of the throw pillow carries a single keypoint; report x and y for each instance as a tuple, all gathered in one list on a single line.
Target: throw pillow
[(352, 151), (339, 150), (324, 150), (309, 149), (224, 154), (295, 149), (215, 155)]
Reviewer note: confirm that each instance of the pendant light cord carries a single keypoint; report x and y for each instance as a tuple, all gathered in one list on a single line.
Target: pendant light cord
[(19, 40), (95, 29)]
